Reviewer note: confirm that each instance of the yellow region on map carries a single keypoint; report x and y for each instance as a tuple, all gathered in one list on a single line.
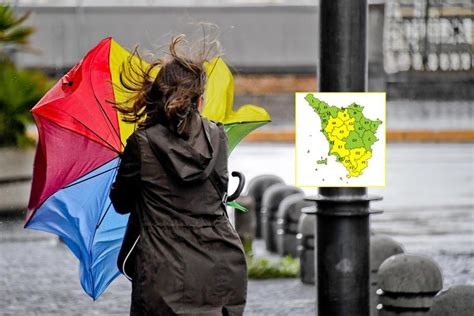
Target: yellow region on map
[(343, 115), (338, 148), (333, 123), (356, 161)]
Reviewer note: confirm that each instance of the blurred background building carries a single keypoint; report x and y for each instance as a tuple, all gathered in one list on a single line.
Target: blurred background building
[(418, 49)]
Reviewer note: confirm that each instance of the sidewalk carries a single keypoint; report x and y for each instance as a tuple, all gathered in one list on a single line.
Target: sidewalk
[(40, 276)]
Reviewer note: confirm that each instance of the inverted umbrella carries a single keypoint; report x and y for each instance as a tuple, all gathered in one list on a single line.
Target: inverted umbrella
[(80, 138)]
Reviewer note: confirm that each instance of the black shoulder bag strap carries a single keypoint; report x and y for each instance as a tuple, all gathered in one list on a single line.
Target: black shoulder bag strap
[(126, 257), (214, 178)]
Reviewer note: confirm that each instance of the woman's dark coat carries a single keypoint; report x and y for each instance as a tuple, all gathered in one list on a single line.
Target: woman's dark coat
[(189, 258)]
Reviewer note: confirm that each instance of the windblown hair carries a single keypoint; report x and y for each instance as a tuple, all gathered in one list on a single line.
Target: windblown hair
[(171, 97)]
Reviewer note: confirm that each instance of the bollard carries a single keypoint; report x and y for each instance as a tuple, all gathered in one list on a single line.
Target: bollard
[(381, 248), (288, 215), (343, 238), (270, 202), (256, 188), (408, 284), (306, 244), (457, 300), (245, 222)]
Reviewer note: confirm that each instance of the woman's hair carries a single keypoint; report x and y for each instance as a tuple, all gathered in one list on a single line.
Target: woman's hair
[(170, 97)]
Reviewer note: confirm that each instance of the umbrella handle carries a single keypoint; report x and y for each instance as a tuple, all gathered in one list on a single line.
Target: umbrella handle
[(240, 187)]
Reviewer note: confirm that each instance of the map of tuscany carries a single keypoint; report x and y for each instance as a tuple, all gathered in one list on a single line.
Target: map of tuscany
[(349, 133)]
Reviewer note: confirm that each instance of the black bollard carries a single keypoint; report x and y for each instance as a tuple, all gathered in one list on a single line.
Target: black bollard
[(306, 242), (288, 215), (256, 188), (270, 202), (342, 247)]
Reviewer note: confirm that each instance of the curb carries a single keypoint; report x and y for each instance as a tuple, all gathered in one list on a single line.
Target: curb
[(393, 136)]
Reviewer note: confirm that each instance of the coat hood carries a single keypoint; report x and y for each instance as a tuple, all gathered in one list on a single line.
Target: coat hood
[(190, 160)]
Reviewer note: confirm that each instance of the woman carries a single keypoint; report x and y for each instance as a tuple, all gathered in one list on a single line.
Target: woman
[(189, 259)]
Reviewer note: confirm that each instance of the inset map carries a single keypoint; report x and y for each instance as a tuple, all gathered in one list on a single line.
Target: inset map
[(340, 139)]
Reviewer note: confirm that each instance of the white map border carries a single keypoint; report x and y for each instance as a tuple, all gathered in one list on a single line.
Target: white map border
[(307, 123)]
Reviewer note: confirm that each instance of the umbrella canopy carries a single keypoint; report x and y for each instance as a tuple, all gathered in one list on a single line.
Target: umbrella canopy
[(77, 156)]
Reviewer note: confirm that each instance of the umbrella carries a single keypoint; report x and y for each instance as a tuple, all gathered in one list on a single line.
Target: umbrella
[(80, 138)]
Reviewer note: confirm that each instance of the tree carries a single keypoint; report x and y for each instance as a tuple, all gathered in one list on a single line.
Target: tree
[(13, 36), (19, 89)]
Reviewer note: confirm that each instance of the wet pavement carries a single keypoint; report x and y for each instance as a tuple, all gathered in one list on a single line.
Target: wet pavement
[(40, 276), (428, 204)]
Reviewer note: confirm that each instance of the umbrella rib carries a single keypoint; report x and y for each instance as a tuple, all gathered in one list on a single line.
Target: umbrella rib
[(102, 108), (91, 243), (110, 125), (103, 216), (97, 99), (74, 183), (100, 137), (95, 232), (214, 66), (85, 126), (91, 177)]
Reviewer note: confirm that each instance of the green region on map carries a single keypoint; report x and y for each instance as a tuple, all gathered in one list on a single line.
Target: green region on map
[(349, 133), (322, 161)]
